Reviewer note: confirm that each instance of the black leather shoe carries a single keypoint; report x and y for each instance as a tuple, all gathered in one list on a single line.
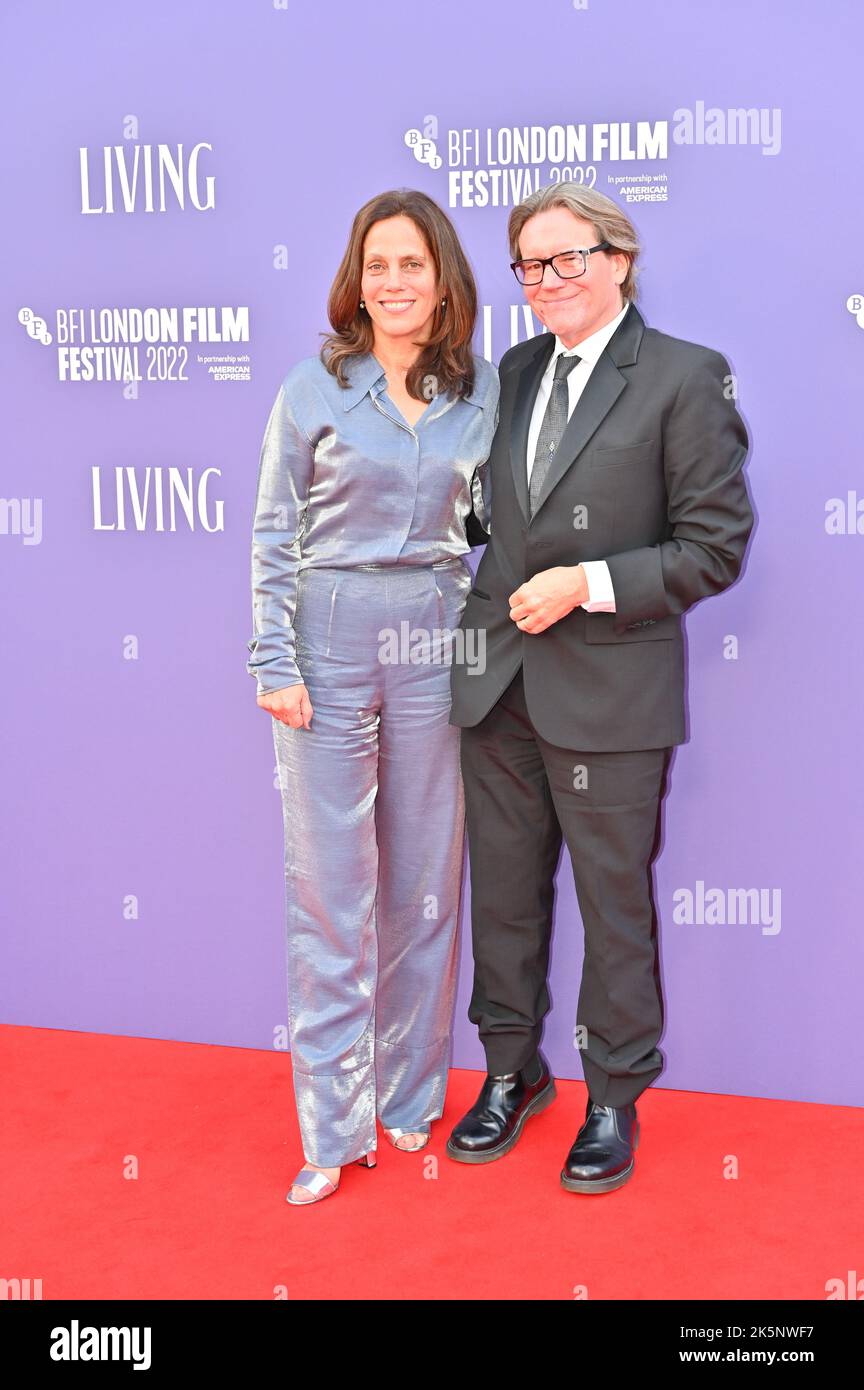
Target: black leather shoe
[(602, 1156), (494, 1122)]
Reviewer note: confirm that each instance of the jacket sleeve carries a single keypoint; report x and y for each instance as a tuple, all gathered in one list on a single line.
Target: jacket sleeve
[(705, 444), (475, 533), (284, 478), (478, 523)]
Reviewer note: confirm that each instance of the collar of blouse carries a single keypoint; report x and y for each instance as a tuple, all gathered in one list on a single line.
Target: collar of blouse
[(365, 372)]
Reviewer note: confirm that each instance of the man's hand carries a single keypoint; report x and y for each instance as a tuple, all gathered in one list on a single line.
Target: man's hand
[(550, 595), (290, 705)]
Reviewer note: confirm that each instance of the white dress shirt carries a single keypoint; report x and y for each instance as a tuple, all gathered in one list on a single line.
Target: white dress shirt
[(601, 596)]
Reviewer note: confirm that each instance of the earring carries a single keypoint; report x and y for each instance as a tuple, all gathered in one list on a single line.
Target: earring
[(362, 303), (443, 303)]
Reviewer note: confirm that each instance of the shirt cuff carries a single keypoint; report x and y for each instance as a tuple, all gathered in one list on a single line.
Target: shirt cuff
[(601, 595)]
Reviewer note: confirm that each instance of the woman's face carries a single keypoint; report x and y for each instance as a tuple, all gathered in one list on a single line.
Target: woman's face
[(399, 281)]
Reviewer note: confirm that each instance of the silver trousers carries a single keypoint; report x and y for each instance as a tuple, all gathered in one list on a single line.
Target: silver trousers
[(374, 815)]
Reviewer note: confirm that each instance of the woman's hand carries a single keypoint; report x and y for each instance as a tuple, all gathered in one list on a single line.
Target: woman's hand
[(291, 705)]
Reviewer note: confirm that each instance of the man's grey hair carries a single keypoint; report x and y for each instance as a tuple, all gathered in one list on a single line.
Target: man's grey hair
[(610, 222)]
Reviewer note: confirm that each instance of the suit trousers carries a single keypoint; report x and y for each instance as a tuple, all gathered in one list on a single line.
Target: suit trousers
[(522, 796), (374, 818)]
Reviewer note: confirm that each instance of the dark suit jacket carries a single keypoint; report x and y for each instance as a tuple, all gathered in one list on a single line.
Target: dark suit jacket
[(651, 461)]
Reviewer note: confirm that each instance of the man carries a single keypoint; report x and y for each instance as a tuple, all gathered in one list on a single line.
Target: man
[(617, 502)]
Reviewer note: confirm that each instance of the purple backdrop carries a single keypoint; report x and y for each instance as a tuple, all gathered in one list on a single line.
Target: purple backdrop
[(143, 854)]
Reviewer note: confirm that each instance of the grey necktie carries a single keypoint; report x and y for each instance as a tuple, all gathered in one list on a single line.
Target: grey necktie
[(552, 428)]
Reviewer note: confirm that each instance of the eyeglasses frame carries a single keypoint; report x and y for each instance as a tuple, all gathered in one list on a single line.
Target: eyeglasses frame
[(543, 261)]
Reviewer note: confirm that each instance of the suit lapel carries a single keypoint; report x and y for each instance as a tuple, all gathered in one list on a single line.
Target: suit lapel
[(602, 390)]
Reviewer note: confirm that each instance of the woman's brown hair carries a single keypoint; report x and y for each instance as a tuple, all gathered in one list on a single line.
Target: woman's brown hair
[(446, 356)]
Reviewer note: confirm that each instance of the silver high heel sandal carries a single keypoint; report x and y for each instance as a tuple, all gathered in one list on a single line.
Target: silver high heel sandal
[(394, 1134), (321, 1186)]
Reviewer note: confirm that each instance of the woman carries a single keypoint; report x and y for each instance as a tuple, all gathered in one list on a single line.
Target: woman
[(373, 455)]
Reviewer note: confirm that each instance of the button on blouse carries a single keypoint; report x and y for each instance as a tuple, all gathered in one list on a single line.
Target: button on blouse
[(344, 480)]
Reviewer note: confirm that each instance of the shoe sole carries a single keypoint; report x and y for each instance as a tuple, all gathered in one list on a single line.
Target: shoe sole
[(602, 1184), (540, 1102)]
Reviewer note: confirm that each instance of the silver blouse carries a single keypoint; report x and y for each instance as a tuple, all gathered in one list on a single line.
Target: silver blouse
[(344, 480)]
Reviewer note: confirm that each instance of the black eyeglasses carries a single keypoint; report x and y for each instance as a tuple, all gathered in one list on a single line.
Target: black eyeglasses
[(568, 264)]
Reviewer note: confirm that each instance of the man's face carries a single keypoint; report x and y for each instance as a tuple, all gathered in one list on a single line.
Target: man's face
[(571, 308)]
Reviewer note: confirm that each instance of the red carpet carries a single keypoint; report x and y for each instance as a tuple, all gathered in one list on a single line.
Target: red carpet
[(215, 1140)]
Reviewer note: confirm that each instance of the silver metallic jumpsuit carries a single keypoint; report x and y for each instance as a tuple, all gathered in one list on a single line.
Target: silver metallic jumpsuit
[(357, 572)]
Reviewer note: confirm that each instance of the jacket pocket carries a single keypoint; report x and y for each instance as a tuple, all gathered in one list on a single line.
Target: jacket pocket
[(600, 627), (629, 453), (480, 594)]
